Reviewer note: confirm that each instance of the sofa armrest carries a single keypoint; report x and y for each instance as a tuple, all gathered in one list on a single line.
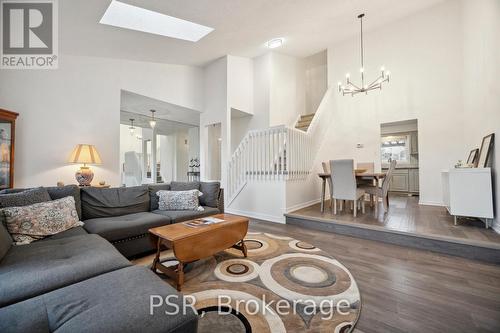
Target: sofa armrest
[(221, 200)]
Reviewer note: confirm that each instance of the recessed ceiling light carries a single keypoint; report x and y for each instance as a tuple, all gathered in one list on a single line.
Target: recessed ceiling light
[(274, 43), (126, 16)]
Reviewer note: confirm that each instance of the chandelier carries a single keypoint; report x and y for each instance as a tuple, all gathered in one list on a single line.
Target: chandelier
[(352, 89)]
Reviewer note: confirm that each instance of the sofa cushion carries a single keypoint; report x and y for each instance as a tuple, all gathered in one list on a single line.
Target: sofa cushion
[(153, 198), (5, 241), (184, 186), (27, 224), (56, 192), (121, 227), (108, 202), (30, 270), (24, 198), (210, 195), (185, 215), (118, 301), (77, 231)]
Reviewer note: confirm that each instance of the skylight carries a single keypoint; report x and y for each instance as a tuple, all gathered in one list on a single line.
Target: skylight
[(126, 16)]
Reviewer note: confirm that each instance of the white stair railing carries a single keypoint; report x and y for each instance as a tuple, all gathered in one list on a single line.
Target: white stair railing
[(277, 153)]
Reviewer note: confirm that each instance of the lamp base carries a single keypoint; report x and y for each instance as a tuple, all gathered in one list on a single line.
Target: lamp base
[(84, 176)]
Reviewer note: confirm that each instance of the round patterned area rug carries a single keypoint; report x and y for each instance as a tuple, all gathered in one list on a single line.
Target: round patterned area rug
[(284, 285)]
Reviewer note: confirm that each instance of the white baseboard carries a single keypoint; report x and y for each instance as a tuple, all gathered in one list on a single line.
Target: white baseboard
[(430, 203), (258, 216), (302, 205)]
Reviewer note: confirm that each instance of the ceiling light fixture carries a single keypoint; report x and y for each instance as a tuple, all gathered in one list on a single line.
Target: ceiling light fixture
[(152, 122), (274, 43), (353, 89), (131, 128), (127, 16)]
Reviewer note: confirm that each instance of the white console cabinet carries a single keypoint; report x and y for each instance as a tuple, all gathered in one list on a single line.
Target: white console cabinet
[(468, 192)]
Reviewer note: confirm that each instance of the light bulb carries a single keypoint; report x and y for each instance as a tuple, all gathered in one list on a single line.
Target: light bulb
[(388, 73), (132, 130), (348, 75), (152, 123), (382, 68), (339, 83), (274, 43), (361, 70)]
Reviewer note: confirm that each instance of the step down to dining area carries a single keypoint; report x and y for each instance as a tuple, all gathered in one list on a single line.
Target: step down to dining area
[(406, 223)]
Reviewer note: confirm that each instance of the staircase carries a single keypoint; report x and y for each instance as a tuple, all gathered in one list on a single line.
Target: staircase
[(279, 154), (304, 122), (158, 174)]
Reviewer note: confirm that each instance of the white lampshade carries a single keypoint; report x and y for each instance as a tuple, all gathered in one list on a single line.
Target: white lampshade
[(85, 154)]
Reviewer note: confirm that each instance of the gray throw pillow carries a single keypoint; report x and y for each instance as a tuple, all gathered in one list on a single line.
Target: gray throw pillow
[(55, 192), (179, 200), (25, 198), (153, 198), (184, 186), (210, 191)]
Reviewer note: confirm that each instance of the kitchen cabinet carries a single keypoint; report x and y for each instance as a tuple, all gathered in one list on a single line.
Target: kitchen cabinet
[(413, 180), (399, 180), (413, 143), (405, 180)]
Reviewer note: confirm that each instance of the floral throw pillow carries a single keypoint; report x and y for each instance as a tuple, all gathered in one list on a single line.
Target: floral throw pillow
[(179, 200), (27, 224)]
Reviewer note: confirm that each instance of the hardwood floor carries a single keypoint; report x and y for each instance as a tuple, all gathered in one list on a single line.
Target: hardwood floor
[(410, 290), (406, 215)]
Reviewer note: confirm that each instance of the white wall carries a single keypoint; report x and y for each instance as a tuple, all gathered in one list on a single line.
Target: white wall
[(168, 162), (194, 143), (261, 199), (316, 80), (481, 45), (288, 95), (424, 54), (240, 83), (215, 111), (260, 101), (80, 103), (182, 155)]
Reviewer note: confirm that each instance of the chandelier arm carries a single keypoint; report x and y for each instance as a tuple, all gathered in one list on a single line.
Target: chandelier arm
[(376, 81), (355, 86)]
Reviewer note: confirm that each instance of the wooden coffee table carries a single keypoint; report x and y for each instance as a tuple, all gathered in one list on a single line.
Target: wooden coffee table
[(194, 243)]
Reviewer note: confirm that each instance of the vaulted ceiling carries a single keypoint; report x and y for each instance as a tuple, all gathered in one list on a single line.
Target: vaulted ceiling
[(241, 27)]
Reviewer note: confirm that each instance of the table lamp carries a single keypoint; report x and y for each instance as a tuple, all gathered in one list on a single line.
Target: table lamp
[(84, 154)]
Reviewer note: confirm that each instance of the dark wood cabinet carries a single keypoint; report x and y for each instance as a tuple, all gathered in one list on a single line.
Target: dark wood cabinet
[(7, 147)]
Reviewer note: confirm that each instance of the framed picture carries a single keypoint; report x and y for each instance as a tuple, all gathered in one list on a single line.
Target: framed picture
[(486, 150), (472, 159)]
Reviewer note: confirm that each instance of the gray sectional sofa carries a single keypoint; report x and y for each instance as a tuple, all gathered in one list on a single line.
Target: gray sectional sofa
[(80, 280)]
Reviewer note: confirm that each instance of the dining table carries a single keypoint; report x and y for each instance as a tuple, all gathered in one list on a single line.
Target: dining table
[(376, 176)]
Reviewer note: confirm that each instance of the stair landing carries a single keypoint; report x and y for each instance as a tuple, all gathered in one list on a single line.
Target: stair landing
[(304, 122)]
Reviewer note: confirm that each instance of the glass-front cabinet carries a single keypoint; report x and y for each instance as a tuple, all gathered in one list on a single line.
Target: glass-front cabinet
[(7, 144)]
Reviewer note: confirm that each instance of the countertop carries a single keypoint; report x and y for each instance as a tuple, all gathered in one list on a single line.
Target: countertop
[(402, 166)]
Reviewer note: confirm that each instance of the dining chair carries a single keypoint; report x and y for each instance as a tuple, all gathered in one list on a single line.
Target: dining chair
[(344, 185), (376, 192), (370, 168), (326, 169)]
